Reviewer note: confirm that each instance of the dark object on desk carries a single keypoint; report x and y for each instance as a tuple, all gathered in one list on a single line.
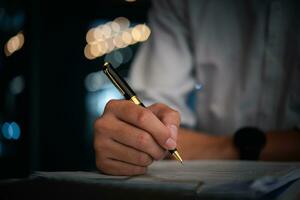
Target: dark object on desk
[(166, 180), (249, 141)]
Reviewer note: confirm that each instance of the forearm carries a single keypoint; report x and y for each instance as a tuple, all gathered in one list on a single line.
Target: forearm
[(280, 146), (195, 145)]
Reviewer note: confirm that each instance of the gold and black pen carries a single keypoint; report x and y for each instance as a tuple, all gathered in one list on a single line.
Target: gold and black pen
[(128, 93)]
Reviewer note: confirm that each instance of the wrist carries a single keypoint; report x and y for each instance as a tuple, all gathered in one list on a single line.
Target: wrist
[(249, 141), (227, 149)]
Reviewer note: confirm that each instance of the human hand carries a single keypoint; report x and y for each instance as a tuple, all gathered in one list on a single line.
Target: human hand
[(129, 137)]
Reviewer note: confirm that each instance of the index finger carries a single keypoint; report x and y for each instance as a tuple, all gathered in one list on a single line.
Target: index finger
[(169, 117), (166, 114), (142, 118)]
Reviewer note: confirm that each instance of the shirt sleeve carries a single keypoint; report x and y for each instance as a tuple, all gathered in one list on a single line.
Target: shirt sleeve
[(162, 69)]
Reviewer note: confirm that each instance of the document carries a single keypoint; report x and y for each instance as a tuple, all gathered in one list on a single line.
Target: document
[(220, 179)]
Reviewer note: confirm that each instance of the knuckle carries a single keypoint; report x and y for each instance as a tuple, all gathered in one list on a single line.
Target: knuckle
[(176, 114), (172, 116), (137, 170), (173, 113), (144, 159), (158, 155), (110, 104), (142, 140), (158, 105), (143, 116), (102, 125)]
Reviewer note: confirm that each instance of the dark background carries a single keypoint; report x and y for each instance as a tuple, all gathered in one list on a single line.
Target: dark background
[(51, 109)]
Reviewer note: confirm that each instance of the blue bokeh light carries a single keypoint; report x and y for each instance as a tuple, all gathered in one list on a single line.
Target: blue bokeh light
[(11, 131), (5, 131), (16, 132)]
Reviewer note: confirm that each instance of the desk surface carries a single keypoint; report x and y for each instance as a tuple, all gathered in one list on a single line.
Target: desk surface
[(164, 179)]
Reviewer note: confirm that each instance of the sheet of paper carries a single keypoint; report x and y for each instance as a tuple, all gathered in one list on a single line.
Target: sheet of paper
[(201, 178)]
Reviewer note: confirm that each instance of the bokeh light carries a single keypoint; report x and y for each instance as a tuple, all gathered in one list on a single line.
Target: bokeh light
[(106, 30), (118, 42), (14, 44), (126, 37), (90, 35), (95, 50), (87, 52), (140, 32), (123, 23), (95, 81), (17, 85), (11, 131), (117, 34), (98, 34)]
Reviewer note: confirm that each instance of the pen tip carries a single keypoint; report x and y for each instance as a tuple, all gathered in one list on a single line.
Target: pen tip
[(177, 156)]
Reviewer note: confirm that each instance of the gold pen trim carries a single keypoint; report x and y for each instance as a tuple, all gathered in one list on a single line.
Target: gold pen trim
[(177, 156), (135, 100)]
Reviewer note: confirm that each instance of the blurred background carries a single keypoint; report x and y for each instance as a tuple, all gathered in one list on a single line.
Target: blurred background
[(51, 89)]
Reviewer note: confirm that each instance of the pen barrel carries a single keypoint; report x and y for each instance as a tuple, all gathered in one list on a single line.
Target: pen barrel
[(118, 81)]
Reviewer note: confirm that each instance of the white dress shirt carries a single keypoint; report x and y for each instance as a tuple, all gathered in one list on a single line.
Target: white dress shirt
[(245, 54)]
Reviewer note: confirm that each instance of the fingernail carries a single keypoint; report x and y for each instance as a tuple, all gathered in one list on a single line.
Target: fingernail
[(170, 144), (173, 130)]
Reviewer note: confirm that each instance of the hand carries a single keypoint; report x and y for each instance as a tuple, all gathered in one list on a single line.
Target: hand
[(129, 137)]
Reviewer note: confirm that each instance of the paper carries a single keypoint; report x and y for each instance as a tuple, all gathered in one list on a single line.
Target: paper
[(195, 178)]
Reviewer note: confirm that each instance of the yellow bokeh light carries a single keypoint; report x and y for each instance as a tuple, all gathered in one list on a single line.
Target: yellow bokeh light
[(136, 33), (118, 42), (126, 37), (110, 45), (141, 32), (96, 50), (106, 30), (103, 46), (123, 23), (98, 34), (87, 52), (14, 43), (115, 27), (116, 34), (90, 36), (21, 39)]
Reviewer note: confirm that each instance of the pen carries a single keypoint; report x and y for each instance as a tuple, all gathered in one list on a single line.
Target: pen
[(128, 93)]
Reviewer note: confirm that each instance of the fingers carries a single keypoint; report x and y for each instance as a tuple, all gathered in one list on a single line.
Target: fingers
[(113, 150), (138, 139), (117, 159), (142, 118), (128, 135), (129, 155), (166, 114), (169, 117)]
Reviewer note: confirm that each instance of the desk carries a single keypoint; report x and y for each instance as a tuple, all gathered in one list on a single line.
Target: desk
[(164, 180)]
